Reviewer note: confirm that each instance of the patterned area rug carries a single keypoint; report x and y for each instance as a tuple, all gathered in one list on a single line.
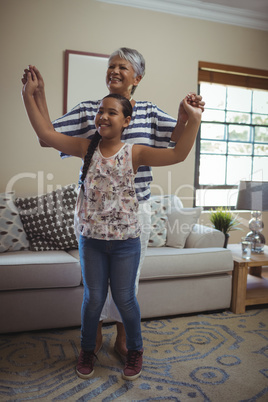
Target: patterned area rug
[(206, 357)]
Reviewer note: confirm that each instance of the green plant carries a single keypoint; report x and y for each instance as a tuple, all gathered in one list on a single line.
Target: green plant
[(223, 220)]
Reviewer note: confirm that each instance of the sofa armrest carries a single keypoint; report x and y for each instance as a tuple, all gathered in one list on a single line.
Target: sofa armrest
[(203, 236)]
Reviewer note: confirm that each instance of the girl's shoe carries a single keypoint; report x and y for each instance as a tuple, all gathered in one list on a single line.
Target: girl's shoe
[(85, 364), (133, 365)]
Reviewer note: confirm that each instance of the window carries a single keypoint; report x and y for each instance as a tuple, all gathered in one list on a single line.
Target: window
[(232, 144)]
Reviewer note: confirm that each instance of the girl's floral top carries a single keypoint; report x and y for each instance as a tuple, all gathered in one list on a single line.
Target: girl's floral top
[(109, 210)]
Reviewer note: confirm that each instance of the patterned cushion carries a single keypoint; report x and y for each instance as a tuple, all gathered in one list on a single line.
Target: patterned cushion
[(13, 237), (158, 232), (161, 206), (48, 219), (168, 202)]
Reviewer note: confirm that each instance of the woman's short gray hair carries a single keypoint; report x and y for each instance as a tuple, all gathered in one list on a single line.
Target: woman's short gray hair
[(133, 56)]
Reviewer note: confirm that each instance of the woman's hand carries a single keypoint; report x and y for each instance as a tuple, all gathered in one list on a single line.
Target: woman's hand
[(193, 100), (191, 109)]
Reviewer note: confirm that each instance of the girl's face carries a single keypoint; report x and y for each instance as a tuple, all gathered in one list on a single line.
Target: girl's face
[(110, 120), (120, 77)]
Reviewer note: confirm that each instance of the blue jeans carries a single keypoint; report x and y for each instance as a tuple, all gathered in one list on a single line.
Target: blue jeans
[(113, 262)]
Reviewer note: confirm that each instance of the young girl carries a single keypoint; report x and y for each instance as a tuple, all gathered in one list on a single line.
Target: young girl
[(109, 244)]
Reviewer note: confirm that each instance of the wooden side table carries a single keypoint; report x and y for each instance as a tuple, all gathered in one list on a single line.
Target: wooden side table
[(250, 286)]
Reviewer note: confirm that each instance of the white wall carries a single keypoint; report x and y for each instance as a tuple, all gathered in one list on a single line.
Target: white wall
[(38, 32)]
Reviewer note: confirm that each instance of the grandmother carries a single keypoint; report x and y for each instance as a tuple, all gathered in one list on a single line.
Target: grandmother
[(149, 125)]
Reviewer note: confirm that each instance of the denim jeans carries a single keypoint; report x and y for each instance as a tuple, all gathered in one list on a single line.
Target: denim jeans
[(113, 262), (144, 215)]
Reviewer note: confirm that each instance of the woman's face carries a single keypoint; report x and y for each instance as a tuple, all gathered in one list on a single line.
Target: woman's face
[(120, 77)]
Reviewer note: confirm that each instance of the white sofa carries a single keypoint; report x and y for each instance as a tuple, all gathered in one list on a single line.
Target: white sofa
[(43, 289)]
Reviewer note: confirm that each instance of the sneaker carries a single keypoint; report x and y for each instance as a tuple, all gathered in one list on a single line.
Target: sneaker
[(85, 364), (133, 365)]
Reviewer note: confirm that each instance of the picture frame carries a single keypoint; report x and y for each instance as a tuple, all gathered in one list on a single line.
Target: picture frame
[(84, 77)]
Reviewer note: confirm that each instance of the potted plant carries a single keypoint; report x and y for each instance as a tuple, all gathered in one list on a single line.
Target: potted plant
[(225, 221)]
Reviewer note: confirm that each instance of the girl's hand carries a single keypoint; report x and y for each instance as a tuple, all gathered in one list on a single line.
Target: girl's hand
[(30, 83), (41, 85), (193, 100)]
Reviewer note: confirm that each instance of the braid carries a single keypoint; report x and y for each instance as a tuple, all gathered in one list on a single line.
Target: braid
[(90, 151)]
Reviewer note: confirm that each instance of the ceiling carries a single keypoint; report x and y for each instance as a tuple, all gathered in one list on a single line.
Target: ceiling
[(252, 5), (245, 13)]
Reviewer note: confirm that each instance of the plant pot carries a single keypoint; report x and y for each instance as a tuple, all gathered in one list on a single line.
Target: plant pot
[(226, 240)]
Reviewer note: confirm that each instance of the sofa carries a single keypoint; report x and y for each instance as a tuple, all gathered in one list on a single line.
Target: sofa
[(185, 270)]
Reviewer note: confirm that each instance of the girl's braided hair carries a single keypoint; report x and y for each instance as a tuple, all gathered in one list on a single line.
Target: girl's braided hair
[(127, 111), (90, 151)]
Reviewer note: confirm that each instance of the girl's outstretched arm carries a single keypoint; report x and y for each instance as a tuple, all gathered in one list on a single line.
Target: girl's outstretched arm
[(39, 96), (143, 155), (69, 145), (194, 100)]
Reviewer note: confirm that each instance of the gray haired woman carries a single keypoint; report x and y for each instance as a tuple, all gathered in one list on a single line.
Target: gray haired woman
[(149, 125)]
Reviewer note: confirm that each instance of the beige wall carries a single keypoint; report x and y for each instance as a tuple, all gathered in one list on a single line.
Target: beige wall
[(38, 32)]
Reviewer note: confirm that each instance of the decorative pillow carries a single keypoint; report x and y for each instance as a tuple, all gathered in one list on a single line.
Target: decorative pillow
[(48, 219), (158, 234), (168, 202), (179, 225), (13, 236), (161, 205)]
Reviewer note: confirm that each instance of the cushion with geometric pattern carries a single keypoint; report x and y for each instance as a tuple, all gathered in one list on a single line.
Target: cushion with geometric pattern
[(48, 219), (12, 234), (158, 233)]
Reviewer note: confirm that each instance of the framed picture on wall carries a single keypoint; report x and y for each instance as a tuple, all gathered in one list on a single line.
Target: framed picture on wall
[(84, 77)]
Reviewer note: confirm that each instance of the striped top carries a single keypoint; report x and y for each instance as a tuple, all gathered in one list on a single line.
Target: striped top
[(149, 126)]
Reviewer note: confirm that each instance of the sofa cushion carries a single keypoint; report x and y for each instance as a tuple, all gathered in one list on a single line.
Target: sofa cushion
[(48, 219), (161, 205), (180, 223), (74, 253), (166, 262), (204, 236), (42, 270), (158, 234), (13, 236), (168, 202)]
